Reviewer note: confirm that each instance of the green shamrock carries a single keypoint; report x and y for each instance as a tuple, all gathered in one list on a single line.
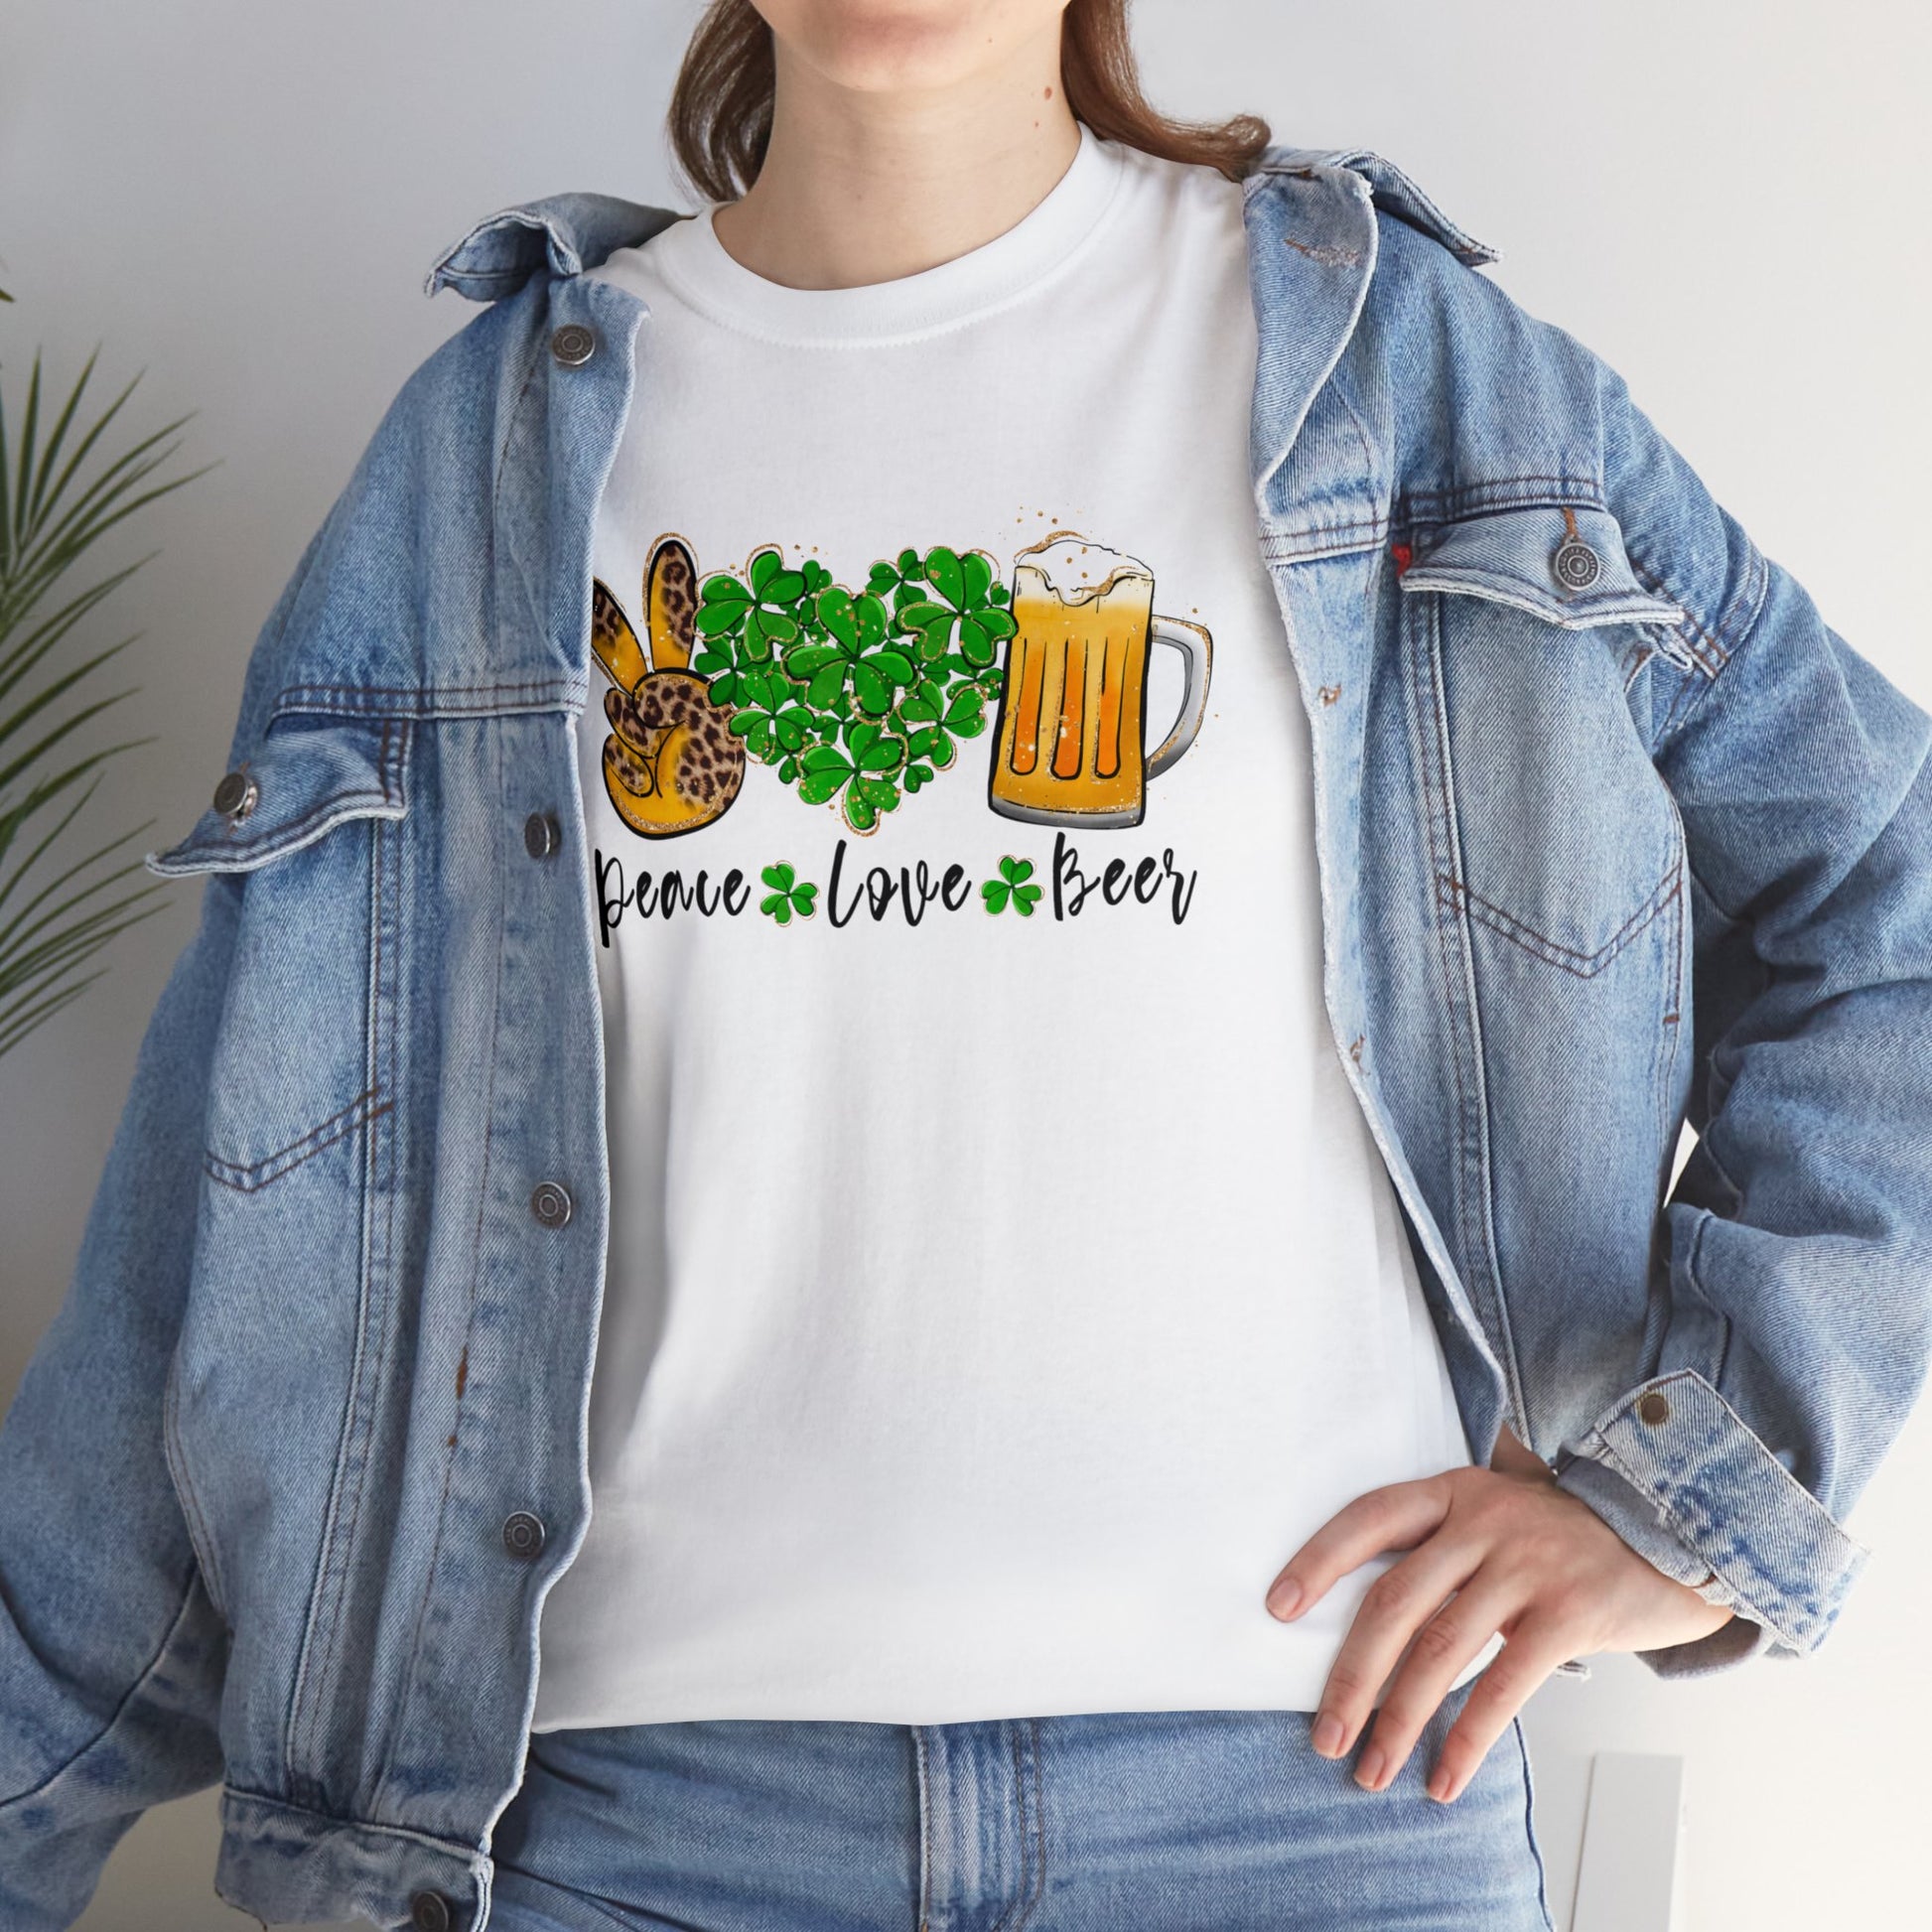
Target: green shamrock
[(787, 897), (866, 772), (1012, 884), (950, 602), (760, 612), (855, 647)]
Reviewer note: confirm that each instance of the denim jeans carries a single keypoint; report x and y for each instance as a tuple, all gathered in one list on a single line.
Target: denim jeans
[(1216, 1821)]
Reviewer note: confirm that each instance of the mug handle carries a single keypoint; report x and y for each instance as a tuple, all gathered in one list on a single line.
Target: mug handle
[(1194, 643)]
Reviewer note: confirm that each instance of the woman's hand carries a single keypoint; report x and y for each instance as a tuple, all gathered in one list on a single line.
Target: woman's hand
[(1522, 1557)]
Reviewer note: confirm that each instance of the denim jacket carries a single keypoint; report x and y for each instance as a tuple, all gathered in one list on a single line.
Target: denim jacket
[(1613, 832)]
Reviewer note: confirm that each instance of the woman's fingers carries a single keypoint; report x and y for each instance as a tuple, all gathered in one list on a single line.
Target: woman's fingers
[(1398, 1606), (1529, 1653), (1396, 1516), (1448, 1642)]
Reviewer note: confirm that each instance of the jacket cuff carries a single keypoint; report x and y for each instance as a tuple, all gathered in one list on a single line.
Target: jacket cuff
[(1676, 1471)]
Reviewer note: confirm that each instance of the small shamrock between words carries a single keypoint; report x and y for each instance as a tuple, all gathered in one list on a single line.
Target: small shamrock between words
[(1011, 888), (788, 897)]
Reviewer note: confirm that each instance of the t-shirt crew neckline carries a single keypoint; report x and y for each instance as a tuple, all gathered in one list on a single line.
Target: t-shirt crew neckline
[(696, 265)]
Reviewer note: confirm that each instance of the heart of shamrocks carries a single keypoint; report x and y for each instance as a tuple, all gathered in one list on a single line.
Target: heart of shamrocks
[(855, 698)]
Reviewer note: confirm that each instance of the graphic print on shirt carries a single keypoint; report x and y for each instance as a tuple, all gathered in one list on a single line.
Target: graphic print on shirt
[(861, 699), (671, 763)]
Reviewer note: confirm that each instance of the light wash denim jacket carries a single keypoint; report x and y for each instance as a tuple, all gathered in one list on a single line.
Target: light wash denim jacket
[(1612, 832)]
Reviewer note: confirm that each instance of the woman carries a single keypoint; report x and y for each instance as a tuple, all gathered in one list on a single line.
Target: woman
[(1136, 1301)]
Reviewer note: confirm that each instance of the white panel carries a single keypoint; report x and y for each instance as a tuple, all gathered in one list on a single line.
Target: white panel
[(1632, 1833)]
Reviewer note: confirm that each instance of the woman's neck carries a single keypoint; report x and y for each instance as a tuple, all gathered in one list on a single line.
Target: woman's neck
[(864, 184)]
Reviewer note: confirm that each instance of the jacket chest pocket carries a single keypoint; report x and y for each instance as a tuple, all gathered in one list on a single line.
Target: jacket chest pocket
[(1550, 826), (312, 848)]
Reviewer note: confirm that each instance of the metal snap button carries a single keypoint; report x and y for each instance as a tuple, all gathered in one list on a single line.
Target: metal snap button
[(550, 1204), (1575, 564), (542, 834), (1654, 1407), (429, 1911), (236, 796), (573, 345), (523, 1535)]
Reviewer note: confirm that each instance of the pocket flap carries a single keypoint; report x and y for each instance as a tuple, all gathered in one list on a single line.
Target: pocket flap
[(1562, 563), (309, 777)]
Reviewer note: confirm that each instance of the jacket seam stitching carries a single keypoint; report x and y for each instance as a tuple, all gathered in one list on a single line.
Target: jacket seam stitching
[(289, 691), (341, 803), (343, 1122), (379, 1312), (474, 1275), (1438, 787), (1453, 502), (1456, 893), (336, 1821), (353, 1400)]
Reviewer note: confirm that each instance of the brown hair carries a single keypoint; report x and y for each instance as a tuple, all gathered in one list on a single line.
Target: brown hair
[(720, 108)]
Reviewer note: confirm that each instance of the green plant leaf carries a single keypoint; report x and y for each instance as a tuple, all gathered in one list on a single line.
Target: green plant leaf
[(996, 892), (827, 686), (945, 575), (870, 688), (720, 620), (836, 614), (975, 645), (803, 660), (871, 620), (816, 787)]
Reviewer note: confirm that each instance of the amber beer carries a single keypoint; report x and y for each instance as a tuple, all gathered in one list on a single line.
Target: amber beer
[(1069, 746)]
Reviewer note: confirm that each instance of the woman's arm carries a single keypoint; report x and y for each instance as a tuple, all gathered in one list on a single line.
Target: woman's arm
[(111, 1654), (1798, 1240)]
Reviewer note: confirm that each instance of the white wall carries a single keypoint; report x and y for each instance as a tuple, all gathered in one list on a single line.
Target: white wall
[(1725, 197)]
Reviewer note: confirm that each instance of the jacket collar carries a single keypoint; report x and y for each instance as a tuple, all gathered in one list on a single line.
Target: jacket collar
[(568, 234)]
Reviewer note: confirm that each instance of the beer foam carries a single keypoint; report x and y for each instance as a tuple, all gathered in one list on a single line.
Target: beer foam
[(1078, 570)]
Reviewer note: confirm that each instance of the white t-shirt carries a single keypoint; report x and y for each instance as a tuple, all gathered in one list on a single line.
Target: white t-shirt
[(1003, 1281)]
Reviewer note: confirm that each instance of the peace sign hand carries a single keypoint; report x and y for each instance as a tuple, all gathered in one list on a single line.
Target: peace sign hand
[(1512, 1553)]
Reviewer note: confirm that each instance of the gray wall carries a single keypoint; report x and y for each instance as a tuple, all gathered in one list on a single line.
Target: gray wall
[(1725, 197)]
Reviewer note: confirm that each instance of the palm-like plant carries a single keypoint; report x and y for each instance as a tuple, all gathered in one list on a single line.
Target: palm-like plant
[(61, 492)]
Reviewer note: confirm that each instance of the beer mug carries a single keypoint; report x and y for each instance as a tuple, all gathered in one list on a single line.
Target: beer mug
[(1069, 746)]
